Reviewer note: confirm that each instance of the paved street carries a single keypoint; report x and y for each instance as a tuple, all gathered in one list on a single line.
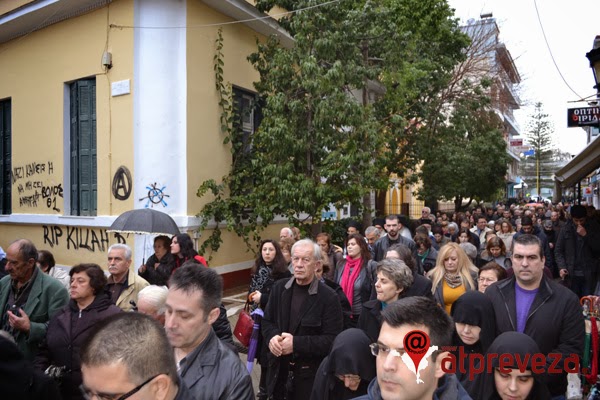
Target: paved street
[(234, 300)]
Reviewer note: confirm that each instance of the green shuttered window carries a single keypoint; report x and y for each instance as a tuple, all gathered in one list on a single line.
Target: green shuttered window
[(84, 186), (6, 156)]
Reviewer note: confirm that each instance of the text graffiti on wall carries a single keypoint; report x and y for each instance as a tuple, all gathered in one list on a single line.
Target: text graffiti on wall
[(33, 191), (156, 195), (76, 237)]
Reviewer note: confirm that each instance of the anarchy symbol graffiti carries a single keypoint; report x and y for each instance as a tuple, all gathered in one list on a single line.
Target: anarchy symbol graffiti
[(155, 195), (121, 184)]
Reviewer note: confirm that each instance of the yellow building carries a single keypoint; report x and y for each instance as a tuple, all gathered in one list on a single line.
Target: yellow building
[(108, 106)]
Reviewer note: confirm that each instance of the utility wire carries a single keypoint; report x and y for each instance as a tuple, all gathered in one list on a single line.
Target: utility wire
[(550, 51), (230, 22)]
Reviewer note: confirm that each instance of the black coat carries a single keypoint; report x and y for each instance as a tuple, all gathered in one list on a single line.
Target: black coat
[(384, 243), (67, 331), (19, 380), (370, 319), (159, 275), (346, 310), (473, 308), (367, 274), (555, 321), (421, 287), (484, 387), (350, 355), (319, 322), (566, 251)]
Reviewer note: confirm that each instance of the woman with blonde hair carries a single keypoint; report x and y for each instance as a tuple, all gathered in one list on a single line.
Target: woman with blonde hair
[(453, 275)]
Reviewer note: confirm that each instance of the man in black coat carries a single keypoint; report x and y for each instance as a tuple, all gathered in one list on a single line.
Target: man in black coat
[(532, 304), (302, 318), (577, 252)]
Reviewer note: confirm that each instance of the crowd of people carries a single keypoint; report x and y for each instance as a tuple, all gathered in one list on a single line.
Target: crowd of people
[(478, 284)]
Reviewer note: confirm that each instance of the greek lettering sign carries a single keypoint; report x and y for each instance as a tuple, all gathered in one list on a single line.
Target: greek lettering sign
[(516, 142), (583, 116)]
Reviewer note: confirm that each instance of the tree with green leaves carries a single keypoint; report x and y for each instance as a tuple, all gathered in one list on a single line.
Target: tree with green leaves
[(338, 109), (539, 168), (467, 158)]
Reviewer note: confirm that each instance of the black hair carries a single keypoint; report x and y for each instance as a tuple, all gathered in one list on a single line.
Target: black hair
[(97, 278), (191, 277)]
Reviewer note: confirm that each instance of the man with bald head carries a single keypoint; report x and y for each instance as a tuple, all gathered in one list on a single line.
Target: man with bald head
[(28, 297)]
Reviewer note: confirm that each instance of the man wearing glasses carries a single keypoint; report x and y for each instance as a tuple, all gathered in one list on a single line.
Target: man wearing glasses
[(129, 354), (395, 381)]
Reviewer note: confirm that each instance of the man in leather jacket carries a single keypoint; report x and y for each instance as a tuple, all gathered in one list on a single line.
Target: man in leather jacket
[(208, 367)]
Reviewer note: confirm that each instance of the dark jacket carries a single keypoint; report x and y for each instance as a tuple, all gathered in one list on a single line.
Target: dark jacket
[(421, 287), (428, 263), (263, 281), (335, 256), (484, 387), (19, 380), (555, 321), (212, 371), (319, 322), (67, 331), (475, 309), (370, 319), (448, 389), (346, 310), (383, 244), (566, 250), (548, 253), (46, 298), (159, 275), (350, 355), (366, 276)]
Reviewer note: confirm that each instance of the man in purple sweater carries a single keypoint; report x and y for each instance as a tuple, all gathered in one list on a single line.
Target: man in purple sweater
[(531, 303)]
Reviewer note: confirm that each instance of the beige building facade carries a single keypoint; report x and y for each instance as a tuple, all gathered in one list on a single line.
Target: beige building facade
[(108, 106)]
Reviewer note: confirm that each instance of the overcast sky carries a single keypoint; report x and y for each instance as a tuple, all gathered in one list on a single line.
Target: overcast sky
[(570, 28)]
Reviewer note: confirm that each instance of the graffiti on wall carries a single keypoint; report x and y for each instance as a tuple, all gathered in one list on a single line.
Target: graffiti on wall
[(121, 184), (155, 195), (76, 238), (33, 188)]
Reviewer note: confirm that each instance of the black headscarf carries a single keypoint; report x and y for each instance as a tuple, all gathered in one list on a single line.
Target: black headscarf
[(350, 355), (515, 343), (475, 308)]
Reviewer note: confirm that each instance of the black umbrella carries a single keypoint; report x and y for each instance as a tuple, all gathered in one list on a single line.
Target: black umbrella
[(145, 221)]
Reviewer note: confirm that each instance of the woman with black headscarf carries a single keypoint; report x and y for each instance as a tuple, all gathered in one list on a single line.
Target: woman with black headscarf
[(346, 372), (510, 382), (475, 328)]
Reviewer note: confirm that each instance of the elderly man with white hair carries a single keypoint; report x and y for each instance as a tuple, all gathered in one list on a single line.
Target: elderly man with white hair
[(151, 301)]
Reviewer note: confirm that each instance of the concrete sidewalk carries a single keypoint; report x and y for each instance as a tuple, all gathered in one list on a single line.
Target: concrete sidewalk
[(234, 301)]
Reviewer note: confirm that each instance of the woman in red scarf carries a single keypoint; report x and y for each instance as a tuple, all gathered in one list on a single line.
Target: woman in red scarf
[(355, 274)]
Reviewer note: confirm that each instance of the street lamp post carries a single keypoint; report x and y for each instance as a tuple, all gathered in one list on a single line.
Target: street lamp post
[(594, 57)]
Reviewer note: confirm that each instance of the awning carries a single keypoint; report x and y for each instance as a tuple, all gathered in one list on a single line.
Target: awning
[(581, 166)]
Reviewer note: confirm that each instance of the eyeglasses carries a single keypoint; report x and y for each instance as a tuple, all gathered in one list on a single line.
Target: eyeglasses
[(383, 350), (88, 395)]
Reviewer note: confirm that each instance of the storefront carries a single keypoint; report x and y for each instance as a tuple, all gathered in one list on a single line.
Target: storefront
[(581, 173)]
